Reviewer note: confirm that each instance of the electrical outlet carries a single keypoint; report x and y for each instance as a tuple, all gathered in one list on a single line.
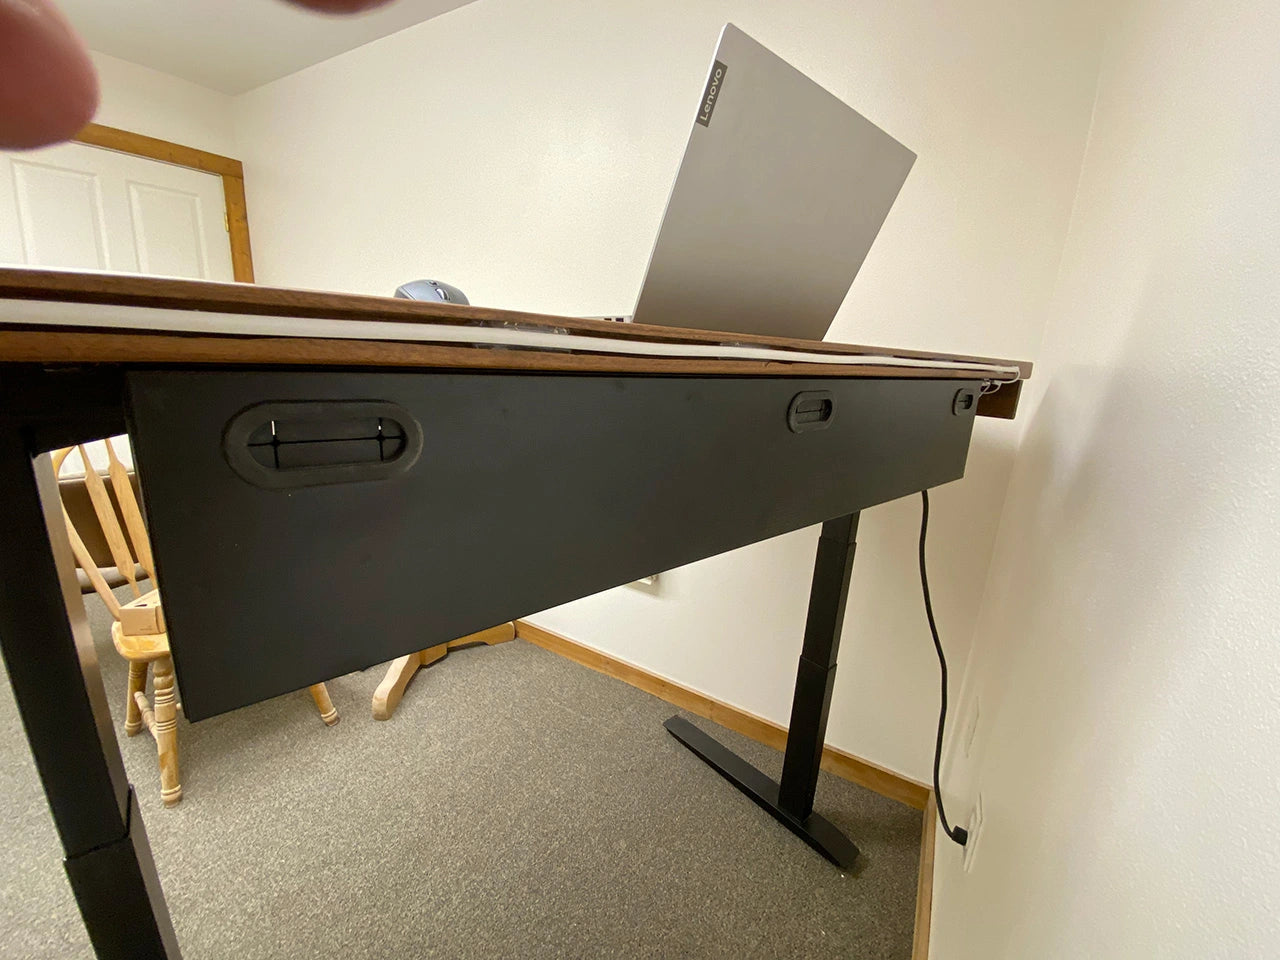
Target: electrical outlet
[(971, 728), (975, 835)]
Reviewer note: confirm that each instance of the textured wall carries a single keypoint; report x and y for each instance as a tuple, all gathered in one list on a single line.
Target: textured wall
[(1128, 658)]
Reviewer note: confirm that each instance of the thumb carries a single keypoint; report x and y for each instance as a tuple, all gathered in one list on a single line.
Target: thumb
[(48, 89)]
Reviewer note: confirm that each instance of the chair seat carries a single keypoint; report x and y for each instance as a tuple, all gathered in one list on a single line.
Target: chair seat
[(139, 647)]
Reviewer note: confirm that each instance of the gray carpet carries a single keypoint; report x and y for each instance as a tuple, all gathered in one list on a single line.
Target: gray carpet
[(517, 805)]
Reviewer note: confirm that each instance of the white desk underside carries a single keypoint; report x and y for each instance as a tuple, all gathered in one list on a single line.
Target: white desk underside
[(158, 319)]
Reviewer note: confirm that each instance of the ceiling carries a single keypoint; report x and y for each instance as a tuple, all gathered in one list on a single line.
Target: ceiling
[(234, 45)]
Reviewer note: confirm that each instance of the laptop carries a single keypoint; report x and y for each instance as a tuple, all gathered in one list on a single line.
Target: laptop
[(779, 196)]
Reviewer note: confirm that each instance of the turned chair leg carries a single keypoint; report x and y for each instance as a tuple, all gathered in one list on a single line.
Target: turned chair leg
[(166, 731), (328, 712), (137, 684)]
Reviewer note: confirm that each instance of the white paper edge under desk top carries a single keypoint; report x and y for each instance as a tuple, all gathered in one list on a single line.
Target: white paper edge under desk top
[(63, 314)]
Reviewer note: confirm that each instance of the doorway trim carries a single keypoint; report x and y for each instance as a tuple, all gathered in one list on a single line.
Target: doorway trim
[(231, 171)]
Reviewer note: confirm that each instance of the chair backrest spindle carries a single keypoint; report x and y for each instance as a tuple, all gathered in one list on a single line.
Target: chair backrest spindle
[(130, 510), (110, 524), (105, 513)]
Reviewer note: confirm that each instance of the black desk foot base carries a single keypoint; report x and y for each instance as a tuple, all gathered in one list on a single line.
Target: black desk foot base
[(815, 830)]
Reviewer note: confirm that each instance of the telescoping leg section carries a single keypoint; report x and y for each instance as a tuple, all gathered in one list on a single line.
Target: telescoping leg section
[(790, 801)]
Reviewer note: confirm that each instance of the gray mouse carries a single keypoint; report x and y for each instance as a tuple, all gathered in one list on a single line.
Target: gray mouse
[(431, 290)]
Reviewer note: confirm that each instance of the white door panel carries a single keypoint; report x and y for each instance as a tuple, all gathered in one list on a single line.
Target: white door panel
[(78, 207), (60, 218), (169, 230)]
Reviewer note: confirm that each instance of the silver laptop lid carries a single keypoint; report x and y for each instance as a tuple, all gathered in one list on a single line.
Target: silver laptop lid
[(781, 191)]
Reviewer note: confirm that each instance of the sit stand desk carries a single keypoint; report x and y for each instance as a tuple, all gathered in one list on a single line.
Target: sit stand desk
[(374, 461)]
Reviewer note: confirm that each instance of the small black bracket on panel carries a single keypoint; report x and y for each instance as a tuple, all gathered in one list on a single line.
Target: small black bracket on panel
[(966, 401)]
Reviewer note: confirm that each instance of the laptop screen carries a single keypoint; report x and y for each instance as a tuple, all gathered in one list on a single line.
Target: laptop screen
[(782, 189)]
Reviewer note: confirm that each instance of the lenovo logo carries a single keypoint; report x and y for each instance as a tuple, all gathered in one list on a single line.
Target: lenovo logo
[(712, 93)]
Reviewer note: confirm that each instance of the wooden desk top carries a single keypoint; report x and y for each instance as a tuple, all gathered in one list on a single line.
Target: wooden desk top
[(53, 317)]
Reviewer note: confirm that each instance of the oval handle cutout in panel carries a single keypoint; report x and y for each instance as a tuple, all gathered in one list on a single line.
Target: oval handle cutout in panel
[(282, 445), (811, 410)]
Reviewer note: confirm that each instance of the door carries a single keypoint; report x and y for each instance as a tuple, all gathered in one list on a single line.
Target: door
[(79, 207)]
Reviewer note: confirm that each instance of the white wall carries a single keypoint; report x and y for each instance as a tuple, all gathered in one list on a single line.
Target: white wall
[(523, 149), (1128, 661), (160, 105)]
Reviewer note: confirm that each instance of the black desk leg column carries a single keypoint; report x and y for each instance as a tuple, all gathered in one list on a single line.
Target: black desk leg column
[(54, 673), (791, 801)]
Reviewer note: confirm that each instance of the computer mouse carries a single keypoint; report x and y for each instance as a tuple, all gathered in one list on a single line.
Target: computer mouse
[(431, 290)]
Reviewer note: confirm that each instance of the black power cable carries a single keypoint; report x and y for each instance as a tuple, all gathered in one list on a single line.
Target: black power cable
[(959, 834)]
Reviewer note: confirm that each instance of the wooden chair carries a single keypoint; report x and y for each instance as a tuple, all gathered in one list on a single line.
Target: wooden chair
[(139, 632)]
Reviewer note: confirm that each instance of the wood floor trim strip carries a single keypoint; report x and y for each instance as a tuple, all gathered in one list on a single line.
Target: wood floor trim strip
[(924, 883), (842, 764)]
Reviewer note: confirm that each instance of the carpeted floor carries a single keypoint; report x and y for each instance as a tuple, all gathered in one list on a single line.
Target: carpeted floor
[(517, 805)]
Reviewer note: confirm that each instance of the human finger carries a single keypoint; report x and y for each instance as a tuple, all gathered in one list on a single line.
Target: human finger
[(48, 88), (340, 6)]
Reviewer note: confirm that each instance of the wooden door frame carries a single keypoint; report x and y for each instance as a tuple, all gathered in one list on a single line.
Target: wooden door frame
[(231, 171)]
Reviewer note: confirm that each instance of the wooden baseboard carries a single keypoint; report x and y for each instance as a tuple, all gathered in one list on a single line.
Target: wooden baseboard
[(846, 765), (924, 883)]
